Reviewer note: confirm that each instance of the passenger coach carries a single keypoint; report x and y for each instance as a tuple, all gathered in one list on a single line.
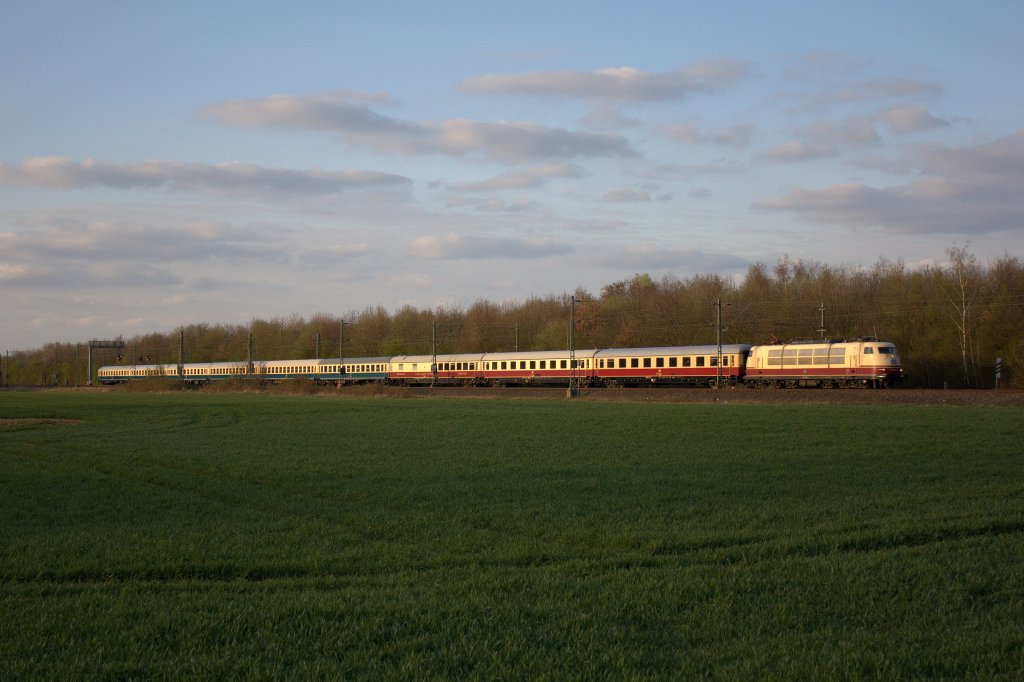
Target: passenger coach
[(693, 365)]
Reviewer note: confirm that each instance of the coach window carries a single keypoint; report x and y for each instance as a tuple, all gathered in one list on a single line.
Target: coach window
[(700, 360), (647, 362), (533, 364), (673, 361), (634, 362)]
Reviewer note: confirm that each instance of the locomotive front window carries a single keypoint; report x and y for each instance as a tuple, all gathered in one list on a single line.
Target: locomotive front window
[(887, 350), (868, 350)]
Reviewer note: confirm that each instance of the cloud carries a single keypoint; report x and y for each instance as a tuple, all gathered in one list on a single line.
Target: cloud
[(971, 189), (824, 139), (108, 241), (608, 118), (885, 88), (76, 276), (826, 80), (738, 136), (502, 141), (333, 111), (686, 133), (234, 178), (640, 258), (626, 196), (614, 84), (911, 119), (796, 151), (325, 253), (193, 258), (474, 247), (525, 179), (858, 132), (492, 205), (720, 168)]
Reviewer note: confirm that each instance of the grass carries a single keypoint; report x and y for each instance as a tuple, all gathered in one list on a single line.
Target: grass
[(220, 535)]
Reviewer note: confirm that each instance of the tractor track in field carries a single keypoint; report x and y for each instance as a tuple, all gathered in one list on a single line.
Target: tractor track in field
[(662, 394), (805, 396)]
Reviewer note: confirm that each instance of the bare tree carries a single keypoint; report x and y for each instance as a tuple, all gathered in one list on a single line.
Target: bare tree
[(961, 284)]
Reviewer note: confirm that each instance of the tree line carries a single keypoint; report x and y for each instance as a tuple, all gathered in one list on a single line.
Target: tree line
[(950, 323)]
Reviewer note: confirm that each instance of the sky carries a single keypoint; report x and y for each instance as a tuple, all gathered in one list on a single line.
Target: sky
[(163, 164)]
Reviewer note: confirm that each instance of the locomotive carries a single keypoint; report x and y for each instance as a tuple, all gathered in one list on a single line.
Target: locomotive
[(835, 363)]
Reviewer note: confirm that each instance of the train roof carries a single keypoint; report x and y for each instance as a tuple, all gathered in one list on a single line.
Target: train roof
[(673, 350), (447, 357), (825, 342), (147, 367), (322, 361), (540, 355)]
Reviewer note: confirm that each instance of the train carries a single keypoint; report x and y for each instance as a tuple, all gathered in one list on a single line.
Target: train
[(825, 363)]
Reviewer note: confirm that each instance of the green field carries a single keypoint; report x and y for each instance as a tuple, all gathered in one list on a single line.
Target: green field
[(244, 535)]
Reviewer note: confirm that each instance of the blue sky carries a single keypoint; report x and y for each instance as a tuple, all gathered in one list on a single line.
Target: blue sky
[(168, 163)]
